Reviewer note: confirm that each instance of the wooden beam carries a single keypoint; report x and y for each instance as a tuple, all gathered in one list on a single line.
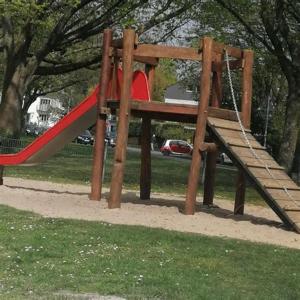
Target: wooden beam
[(160, 51), (124, 112), (208, 147), (118, 43), (233, 64), (213, 152), (159, 110), (142, 59), (205, 85), (99, 147), (1, 174), (145, 175), (246, 119), (232, 51)]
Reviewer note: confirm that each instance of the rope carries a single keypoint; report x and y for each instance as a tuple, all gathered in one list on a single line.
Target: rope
[(244, 132)]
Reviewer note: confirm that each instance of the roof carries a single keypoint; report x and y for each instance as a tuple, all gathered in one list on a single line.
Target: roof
[(178, 92)]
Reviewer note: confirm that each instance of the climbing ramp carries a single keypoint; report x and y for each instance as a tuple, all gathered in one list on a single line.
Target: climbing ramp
[(280, 192)]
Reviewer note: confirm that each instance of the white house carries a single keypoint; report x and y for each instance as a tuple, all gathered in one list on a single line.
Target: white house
[(45, 112)]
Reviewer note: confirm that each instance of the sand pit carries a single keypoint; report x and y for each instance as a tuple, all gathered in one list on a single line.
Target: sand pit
[(259, 224)]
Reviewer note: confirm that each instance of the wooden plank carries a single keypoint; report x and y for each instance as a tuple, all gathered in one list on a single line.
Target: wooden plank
[(263, 173), (255, 165), (289, 204), (246, 152), (241, 142), (282, 195), (294, 215), (222, 113), (227, 124), (253, 162), (161, 51), (164, 107), (280, 184), (180, 109), (234, 134)]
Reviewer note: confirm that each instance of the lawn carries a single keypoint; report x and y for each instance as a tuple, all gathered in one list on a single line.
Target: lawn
[(42, 257), (73, 165)]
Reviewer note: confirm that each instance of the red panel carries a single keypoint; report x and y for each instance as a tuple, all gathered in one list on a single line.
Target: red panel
[(140, 88)]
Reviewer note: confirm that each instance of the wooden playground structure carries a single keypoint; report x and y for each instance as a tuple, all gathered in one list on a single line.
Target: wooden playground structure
[(222, 125)]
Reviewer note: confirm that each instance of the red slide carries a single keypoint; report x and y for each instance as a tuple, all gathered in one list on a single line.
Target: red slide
[(70, 126)]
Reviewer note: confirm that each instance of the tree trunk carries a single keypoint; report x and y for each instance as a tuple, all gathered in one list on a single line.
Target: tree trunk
[(12, 99), (291, 126)]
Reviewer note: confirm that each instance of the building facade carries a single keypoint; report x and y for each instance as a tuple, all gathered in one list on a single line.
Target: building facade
[(45, 112)]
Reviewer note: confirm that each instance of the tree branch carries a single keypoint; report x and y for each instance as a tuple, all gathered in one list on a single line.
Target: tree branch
[(63, 69), (247, 26)]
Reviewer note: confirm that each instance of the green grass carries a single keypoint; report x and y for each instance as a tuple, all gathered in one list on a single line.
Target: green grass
[(40, 257), (74, 164)]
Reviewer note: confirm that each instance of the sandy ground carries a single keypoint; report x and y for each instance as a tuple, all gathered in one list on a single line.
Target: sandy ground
[(259, 224)]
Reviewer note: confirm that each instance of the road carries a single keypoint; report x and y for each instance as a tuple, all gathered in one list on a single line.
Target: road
[(184, 159)]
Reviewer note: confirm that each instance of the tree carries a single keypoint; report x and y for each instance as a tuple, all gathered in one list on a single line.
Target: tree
[(43, 38), (275, 26)]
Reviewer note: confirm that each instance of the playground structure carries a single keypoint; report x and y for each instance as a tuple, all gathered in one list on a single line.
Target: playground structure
[(128, 93)]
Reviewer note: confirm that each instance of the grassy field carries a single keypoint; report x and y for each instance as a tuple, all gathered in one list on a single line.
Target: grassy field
[(43, 257), (73, 165)]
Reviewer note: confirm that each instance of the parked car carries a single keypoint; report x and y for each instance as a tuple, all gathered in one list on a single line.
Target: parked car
[(176, 147), (85, 138), (224, 159)]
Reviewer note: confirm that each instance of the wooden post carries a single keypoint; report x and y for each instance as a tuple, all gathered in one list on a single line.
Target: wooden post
[(246, 119), (205, 85), (145, 176), (211, 158), (124, 112), (1, 174), (99, 147)]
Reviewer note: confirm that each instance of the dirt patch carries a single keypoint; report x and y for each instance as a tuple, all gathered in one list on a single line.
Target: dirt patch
[(259, 224)]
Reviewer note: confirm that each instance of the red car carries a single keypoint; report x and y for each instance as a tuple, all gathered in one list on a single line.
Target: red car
[(176, 147)]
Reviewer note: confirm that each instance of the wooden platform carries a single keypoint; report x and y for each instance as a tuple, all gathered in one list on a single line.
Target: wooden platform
[(170, 111), (286, 205)]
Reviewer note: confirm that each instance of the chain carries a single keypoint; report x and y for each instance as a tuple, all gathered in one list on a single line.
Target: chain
[(244, 132)]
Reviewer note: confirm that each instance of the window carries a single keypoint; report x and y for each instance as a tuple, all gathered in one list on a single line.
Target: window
[(44, 118)]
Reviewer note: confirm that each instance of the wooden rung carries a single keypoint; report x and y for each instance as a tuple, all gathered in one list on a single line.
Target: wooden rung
[(252, 165), (225, 124), (263, 173), (281, 187), (281, 195), (241, 143), (278, 184), (294, 215), (246, 152), (292, 209), (255, 162), (224, 132)]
